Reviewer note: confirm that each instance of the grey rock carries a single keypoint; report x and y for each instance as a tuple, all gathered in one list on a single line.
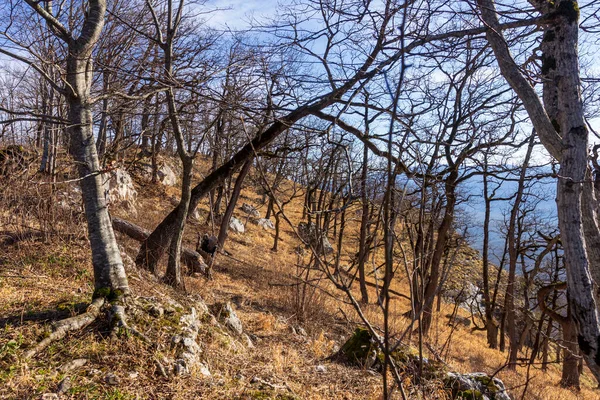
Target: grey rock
[(321, 369), (203, 370), (118, 186), (227, 316), (490, 388), (186, 348), (73, 365), (111, 379), (308, 233), (250, 210), (133, 375), (236, 225), (266, 224), (249, 342), (49, 396), (165, 173), (156, 311), (64, 385)]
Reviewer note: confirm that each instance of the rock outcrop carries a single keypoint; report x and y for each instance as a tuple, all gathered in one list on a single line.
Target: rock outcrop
[(476, 386)]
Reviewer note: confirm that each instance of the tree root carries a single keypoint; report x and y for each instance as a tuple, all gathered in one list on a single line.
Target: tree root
[(61, 328), (119, 320)]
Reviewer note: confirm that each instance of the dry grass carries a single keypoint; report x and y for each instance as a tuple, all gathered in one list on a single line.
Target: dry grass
[(49, 277)]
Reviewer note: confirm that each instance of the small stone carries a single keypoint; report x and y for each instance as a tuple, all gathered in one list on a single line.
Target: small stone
[(156, 311), (73, 365), (300, 331), (111, 379), (229, 318), (64, 385), (49, 396), (239, 377), (133, 375), (249, 342), (94, 372), (320, 369), (203, 370), (266, 224)]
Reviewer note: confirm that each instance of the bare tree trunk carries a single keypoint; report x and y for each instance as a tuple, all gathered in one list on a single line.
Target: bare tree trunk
[(565, 107), (513, 239), (364, 223), (431, 287), (110, 280), (237, 190), (491, 325)]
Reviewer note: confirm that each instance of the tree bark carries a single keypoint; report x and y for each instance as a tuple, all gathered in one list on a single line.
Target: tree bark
[(571, 150)]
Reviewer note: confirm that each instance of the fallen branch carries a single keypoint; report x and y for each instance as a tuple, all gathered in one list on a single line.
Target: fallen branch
[(192, 259), (61, 328)]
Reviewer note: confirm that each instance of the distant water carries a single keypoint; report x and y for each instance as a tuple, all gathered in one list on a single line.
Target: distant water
[(540, 198)]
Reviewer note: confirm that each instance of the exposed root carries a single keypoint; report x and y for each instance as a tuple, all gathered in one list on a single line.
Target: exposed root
[(61, 328), (120, 322)]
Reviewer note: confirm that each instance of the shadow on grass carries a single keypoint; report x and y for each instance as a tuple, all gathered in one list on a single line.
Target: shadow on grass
[(50, 315)]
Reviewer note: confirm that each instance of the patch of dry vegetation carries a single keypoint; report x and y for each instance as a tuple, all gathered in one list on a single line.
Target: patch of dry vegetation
[(48, 276)]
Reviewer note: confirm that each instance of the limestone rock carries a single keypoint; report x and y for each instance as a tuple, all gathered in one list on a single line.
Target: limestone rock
[(227, 316), (118, 186), (187, 350), (111, 379), (73, 365), (165, 173), (236, 225), (476, 385), (64, 385), (265, 223), (250, 210)]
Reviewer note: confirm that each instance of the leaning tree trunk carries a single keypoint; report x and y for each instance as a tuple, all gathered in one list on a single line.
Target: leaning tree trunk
[(153, 249)]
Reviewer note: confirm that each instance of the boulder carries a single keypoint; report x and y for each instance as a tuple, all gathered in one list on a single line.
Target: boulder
[(165, 173), (250, 210), (118, 186), (476, 385), (236, 225), (361, 349), (265, 223)]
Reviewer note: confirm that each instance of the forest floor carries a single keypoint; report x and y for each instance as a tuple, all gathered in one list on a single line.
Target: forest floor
[(294, 328)]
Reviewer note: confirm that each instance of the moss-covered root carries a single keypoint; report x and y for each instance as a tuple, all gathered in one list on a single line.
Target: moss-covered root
[(61, 328), (119, 322)]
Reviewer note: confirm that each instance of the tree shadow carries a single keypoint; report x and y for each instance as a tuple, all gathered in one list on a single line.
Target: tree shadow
[(41, 316)]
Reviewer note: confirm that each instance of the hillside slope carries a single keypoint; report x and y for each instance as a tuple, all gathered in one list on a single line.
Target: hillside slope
[(290, 330)]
